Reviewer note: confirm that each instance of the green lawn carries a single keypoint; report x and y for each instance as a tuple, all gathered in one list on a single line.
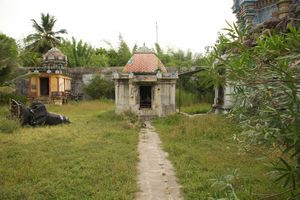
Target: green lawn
[(206, 158), (94, 157)]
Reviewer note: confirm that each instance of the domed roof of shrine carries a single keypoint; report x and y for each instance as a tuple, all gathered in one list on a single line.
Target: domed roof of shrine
[(54, 57), (144, 61)]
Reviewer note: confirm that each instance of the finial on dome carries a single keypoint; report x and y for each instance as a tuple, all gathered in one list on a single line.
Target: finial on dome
[(144, 49)]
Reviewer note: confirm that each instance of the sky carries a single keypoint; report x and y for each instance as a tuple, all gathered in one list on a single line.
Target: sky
[(184, 24)]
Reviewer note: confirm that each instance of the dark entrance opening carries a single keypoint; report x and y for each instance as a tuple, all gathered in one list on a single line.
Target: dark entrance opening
[(220, 99), (44, 86), (145, 96)]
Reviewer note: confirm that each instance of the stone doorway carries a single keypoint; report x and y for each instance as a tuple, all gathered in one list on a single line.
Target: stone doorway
[(145, 97), (220, 99), (44, 86)]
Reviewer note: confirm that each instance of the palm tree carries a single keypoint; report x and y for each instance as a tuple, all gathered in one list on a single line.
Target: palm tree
[(44, 38)]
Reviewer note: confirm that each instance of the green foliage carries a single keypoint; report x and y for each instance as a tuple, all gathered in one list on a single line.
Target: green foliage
[(266, 82), (8, 57), (29, 57), (7, 93), (7, 125), (45, 37), (185, 98), (197, 86), (124, 53), (224, 184), (6, 97), (100, 88), (81, 54), (175, 58)]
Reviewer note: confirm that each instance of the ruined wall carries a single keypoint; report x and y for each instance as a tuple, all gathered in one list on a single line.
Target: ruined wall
[(166, 92), (81, 76), (122, 96)]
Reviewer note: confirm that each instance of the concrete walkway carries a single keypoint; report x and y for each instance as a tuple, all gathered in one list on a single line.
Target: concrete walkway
[(156, 178), (194, 115)]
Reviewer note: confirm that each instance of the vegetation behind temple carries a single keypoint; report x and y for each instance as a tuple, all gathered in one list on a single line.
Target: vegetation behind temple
[(82, 54), (100, 88)]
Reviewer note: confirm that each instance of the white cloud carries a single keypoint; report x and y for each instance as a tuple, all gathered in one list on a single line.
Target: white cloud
[(190, 24)]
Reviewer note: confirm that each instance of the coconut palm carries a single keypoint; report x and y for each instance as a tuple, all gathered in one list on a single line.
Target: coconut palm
[(44, 38)]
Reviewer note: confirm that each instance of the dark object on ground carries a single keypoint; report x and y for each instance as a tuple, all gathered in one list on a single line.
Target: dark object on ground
[(36, 115)]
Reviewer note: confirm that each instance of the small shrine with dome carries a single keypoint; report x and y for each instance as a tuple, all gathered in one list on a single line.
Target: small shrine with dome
[(50, 83), (145, 87)]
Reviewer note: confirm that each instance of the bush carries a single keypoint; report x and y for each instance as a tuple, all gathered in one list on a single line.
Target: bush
[(6, 97), (100, 88), (8, 126), (7, 93)]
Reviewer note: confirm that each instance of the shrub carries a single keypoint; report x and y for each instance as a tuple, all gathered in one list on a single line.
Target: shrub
[(100, 88), (5, 98), (7, 93), (8, 126)]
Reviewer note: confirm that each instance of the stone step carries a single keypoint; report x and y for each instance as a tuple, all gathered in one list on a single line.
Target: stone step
[(147, 117)]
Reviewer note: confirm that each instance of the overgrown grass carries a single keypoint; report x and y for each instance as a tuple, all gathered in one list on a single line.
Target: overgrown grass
[(198, 108), (94, 157), (186, 98), (6, 125), (209, 163)]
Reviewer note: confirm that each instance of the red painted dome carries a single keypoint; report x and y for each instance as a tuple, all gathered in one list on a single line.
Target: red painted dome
[(144, 61)]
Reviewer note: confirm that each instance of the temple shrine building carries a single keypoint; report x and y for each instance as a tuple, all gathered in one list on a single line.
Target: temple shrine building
[(145, 88), (255, 12), (51, 82)]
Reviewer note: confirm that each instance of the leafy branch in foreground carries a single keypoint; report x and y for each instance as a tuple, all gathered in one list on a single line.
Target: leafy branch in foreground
[(266, 82)]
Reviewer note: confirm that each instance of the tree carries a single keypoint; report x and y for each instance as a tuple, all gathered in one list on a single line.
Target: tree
[(8, 57), (28, 57), (123, 52), (135, 47), (81, 54), (45, 37)]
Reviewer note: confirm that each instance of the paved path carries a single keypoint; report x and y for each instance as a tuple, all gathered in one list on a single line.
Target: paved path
[(193, 115), (156, 175)]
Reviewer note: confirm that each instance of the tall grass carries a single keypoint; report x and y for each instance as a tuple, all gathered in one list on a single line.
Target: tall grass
[(209, 163), (185, 98), (7, 125)]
